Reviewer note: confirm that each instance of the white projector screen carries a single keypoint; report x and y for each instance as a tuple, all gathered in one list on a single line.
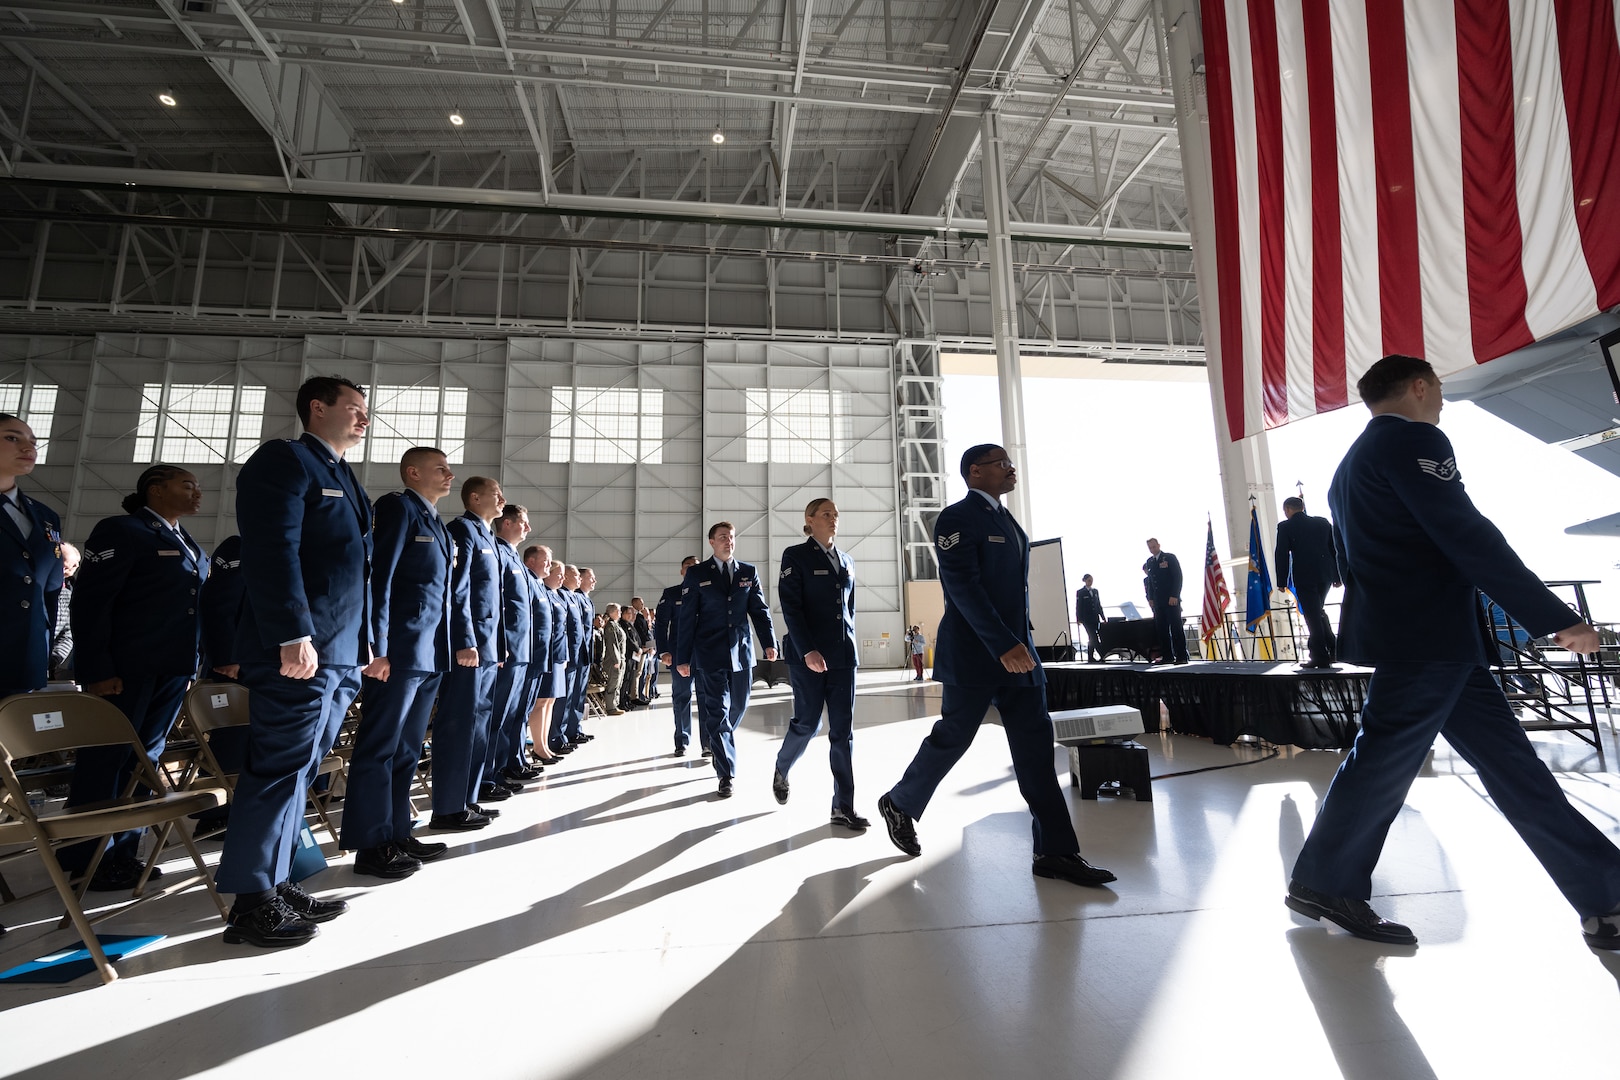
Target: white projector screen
[(1048, 593)]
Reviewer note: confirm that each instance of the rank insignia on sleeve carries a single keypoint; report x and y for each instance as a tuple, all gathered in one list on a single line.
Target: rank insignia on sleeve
[(947, 542), (1440, 470)]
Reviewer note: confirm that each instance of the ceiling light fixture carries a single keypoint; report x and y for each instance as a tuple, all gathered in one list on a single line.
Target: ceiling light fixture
[(456, 117), (718, 137), (167, 98)]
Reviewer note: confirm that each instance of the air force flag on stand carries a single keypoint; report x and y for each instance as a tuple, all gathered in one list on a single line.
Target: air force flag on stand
[(1259, 577)]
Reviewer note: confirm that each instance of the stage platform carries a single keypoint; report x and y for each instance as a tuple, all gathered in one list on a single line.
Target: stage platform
[(1223, 699)]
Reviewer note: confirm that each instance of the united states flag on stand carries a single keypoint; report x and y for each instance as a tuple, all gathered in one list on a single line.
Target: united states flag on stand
[(1216, 598), (1439, 178)]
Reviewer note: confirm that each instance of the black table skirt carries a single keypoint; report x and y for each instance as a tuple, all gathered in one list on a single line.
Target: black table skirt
[(1222, 700)]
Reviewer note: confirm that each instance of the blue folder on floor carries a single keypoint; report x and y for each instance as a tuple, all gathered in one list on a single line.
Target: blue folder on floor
[(308, 859), (69, 964)]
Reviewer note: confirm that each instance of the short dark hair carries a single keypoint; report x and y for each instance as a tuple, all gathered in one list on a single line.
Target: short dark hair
[(535, 549), (153, 476), (717, 526), (324, 389), (511, 510), (1390, 377), (974, 453), (688, 561), (1294, 502), (4, 416), (416, 457), (475, 484)]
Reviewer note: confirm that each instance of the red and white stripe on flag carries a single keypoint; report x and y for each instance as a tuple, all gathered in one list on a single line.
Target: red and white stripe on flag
[(1439, 178), (1216, 598)]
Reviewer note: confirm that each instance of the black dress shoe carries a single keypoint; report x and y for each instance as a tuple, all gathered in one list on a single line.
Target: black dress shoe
[(779, 787), (419, 850), (724, 791), (1354, 917), (486, 811), (271, 925), (849, 819), (385, 861), (565, 748), (489, 791), (306, 906), (707, 752), (582, 737), (519, 776), (121, 875), (1070, 868), (901, 830), (680, 751), (460, 821)]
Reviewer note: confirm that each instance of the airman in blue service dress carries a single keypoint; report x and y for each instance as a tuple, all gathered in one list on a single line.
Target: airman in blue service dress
[(305, 523), (816, 589), (717, 605), (1412, 549), (985, 655), (30, 586), (1162, 583), (410, 628), (512, 686), (1304, 555), (467, 698), (136, 618), (666, 616)]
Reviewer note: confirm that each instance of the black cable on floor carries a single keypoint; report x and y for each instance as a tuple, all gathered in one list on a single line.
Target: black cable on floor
[(1275, 750)]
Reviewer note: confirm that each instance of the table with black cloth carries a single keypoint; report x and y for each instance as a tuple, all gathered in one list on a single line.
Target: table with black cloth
[(1222, 700), (1136, 636)]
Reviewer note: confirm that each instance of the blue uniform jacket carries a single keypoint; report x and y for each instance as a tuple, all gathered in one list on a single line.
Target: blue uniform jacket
[(712, 631), (587, 613), (410, 585), (1162, 574), (135, 600), (222, 604), (1305, 549), (1412, 549), (576, 634), (30, 585), (475, 590), (517, 604), (666, 614), (546, 653), (306, 554), (818, 605), (983, 557)]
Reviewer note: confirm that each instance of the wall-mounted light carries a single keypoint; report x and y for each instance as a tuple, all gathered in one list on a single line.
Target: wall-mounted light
[(456, 118), (167, 97), (718, 137)]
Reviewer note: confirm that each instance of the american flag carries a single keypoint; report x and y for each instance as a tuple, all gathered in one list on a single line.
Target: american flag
[(1439, 178), (1216, 598)]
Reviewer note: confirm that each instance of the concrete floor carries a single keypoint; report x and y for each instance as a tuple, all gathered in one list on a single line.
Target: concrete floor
[(620, 921)]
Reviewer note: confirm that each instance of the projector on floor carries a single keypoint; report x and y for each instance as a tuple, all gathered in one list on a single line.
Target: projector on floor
[(1076, 726)]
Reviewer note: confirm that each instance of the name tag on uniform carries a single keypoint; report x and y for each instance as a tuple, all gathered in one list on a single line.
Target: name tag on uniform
[(424, 539), (996, 539), (704, 584), (332, 493), (820, 573), (168, 553), (743, 583), (486, 551)]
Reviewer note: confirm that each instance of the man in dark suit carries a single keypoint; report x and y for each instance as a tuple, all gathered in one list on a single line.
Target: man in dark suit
[(467, 699), (31, 581), (410, 635), (301, 642), (666, 616), (1088, 613), (1162, 579), (1413, 550), (1304, 554), (816, 589), (503, 764), (719, 598), (985, 655)]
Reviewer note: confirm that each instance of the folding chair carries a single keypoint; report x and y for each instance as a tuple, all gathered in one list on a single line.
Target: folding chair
[(42, 723), (211, 707)]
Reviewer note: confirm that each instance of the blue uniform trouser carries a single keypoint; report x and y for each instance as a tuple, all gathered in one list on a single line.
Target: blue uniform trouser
[(1407, 706), (1029, 736), (573, 709), (512, 701), (465, 705), (833, 689), (393, 722), (722, 699), (680, 698), (151, 702), (1171, 634), (293, 724)]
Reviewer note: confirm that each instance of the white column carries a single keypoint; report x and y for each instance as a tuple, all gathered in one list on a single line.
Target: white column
[(1004, 310)]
